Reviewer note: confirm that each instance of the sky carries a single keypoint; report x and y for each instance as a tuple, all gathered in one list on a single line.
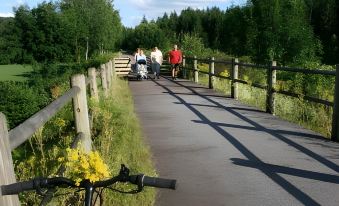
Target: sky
[(132, 11)]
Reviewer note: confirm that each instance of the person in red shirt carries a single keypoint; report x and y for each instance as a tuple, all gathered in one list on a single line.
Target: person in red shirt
[(175, 59)]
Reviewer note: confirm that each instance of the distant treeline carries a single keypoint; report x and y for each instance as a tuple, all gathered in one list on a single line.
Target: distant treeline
[(59, 32), (289, 31)]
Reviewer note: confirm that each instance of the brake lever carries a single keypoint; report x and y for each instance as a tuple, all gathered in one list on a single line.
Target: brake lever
[(124, 173)]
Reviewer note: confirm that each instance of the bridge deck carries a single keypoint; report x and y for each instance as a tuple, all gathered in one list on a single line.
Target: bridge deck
[(225, 153)]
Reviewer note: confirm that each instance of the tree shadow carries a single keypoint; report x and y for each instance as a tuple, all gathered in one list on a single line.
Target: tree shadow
[(287, 186), (287, 170)]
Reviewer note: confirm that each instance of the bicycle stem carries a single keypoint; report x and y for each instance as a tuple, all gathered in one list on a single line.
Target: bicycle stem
[(89, 192)]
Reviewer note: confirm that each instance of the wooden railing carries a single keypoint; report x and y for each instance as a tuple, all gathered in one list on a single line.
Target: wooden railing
[(9, 140), (271, 70)]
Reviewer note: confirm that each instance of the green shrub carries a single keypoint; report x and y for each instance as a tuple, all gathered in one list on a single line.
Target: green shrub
[(19, 101)]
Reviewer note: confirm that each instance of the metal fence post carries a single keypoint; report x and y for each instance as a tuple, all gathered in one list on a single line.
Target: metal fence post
[(80, 109), (7, 175), (93, 83), (271, 82), (335, 115), (234, 84), (211, 74), (196, 72)]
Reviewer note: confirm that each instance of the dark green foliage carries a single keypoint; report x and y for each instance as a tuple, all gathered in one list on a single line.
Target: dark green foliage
[(10, 46), (19, 101), (59, 32), (146, 35), (288, 31)]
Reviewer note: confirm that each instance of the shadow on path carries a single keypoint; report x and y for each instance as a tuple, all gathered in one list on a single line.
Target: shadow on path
[(252, 160)]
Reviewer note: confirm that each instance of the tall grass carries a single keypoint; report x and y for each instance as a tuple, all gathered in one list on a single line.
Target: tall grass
[(116, 135), (119, 138)]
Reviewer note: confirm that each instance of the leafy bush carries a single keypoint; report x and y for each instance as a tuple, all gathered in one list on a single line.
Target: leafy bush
[(19, 101)]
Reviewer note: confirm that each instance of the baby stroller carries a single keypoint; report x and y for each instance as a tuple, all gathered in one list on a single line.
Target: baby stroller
[(140, 69)]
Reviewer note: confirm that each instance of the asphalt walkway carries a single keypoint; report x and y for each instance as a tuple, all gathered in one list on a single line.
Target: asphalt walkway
[(225, 153)]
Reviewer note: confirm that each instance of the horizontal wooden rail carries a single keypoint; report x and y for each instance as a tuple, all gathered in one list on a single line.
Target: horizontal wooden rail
[(222, 62), (271, 70), (21, 133), (209, 60), (15, 137), (257, 66), (290, 69)]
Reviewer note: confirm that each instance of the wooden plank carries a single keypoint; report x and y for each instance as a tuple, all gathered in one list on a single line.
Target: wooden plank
[(7, 175), (335, 115), (122, 73), (196, 72), (234, 76), (103, 79), (93, 84), (80, 109), (122, 69), (271, 82), (123, 66), (121, 61)]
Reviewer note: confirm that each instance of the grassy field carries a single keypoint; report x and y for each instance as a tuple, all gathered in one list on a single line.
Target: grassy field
[(14, 72)]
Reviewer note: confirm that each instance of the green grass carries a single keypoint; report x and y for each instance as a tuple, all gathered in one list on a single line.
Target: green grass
[(119, 140), (310, 115), (14, 72), (116, 134)]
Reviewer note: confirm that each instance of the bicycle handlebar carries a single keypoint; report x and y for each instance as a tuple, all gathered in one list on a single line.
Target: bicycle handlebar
[(153, 181), (38, 183), (17, 187)]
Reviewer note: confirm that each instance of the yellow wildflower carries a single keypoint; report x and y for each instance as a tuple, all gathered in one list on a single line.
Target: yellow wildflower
[(82, 166)]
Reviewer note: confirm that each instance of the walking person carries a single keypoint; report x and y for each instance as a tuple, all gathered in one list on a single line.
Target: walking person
[(175, 59), (136, 54), (156, 58)]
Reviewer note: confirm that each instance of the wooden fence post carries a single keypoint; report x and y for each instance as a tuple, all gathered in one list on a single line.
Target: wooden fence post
[(271, 82), (103, 79), (93, 83), (184, 66), (335, 115), (113, 68), (80, 109), (7, 175), (211, 74), (108, 76), (196, 72), (234, 84)]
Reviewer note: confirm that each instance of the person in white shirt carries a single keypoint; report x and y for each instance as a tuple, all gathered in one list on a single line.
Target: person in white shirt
[(156, 58)]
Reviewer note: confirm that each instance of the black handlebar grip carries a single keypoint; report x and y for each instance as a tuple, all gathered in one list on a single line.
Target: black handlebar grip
[(16, 188), (159, 182)]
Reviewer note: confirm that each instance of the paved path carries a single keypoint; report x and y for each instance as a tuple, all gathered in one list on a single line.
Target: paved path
[(225, 153)]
